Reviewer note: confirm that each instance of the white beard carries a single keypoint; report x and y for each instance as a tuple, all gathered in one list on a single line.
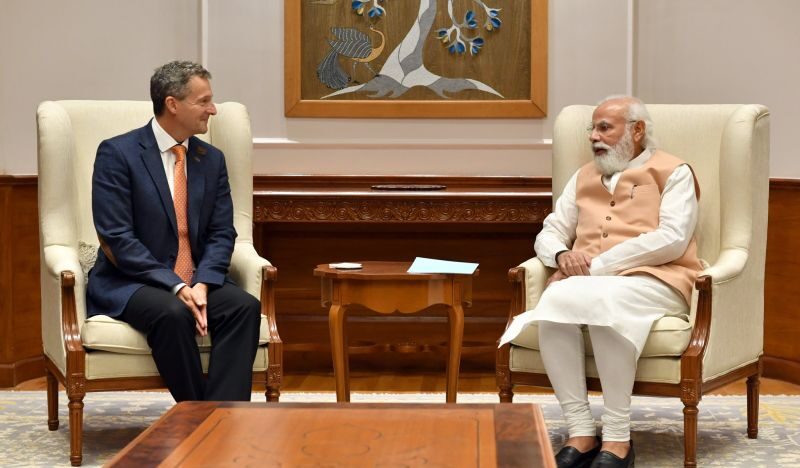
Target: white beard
[(616, 157)]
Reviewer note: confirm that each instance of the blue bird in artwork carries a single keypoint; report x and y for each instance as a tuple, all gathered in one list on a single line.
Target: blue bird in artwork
[(354, 45)]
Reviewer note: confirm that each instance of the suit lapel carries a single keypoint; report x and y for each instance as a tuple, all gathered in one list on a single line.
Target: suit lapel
[(196, 181), (155, 166)]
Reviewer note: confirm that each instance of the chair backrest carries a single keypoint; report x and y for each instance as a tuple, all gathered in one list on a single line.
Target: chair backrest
[(728, 149), (69, 133)]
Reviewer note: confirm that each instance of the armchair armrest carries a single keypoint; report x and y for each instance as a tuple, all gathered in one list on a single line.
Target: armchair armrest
[(729, 265), (246, 268), (528, 281), (63, 304), (275, 347), (730, 313), (59, 258), (270, 275), (69, 323), (536, 274), (257, 276)]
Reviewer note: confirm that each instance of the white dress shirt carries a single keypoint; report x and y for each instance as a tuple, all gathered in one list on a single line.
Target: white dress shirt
[(165, 142)]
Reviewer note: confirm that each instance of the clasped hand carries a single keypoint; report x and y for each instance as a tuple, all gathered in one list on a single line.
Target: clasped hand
[(196, 299), (571, 263)]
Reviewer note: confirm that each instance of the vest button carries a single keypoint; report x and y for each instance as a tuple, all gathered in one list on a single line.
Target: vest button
[(605, 234), (613, 203), (608, 218)]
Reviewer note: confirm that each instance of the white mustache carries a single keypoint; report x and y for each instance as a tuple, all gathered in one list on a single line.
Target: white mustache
[(600, 145)]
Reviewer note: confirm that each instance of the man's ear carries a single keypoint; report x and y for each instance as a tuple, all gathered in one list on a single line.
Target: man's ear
[(638, 131), (171, 105)]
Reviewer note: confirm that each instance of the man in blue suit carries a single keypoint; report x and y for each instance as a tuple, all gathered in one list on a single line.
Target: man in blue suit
[(164, 217)]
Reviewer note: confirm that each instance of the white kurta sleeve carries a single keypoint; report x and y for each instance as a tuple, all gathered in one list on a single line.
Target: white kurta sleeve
[(677, 221), (558, 231)]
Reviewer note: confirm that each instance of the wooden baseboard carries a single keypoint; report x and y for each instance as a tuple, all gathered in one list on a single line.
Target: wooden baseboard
[(17, 372), (781, 369)]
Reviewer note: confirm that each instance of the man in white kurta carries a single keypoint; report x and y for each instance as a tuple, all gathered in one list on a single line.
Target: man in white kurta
[(625, 258)]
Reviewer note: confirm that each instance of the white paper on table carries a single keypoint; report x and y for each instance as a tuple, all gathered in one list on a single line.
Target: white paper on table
[(345, 266), (430, 265)]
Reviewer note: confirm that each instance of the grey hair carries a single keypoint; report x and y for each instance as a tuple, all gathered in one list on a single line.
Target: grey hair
[(637, 111), (172, 79)]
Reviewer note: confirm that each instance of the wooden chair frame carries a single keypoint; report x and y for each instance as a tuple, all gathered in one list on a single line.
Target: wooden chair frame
[(690, 389), (77, 385)]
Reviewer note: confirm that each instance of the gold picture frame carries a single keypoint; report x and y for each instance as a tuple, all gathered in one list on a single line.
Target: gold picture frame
[(382, 31)]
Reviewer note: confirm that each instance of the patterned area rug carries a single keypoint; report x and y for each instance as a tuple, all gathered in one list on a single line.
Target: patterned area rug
[(111, 420)]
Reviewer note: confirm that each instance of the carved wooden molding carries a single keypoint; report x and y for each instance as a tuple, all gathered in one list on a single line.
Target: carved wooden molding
[(76, 386), (348, 198), (305, 209), (689, 391)]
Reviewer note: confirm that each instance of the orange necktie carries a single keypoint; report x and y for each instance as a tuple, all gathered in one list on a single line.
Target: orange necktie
[(183, 265)]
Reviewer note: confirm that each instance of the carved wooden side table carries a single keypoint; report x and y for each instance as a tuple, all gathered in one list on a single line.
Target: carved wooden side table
[(386, 288)]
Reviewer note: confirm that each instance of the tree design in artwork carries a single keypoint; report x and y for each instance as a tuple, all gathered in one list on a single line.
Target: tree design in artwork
[(405, 68)]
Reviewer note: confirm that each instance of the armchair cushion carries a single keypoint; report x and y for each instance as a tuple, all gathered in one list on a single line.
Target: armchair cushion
[(103, 333), (662, 369), (668, 337), (102, 365)]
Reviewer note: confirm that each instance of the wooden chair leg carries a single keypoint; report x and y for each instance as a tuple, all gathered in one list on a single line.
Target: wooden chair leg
[(689, 434), (753, 383), (504, 386), (503, 374), (506, 394), (76, 427), (52, 401), (274, 379)]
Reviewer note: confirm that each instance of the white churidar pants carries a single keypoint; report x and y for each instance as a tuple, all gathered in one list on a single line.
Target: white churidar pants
[(619, 312), (562, 349)]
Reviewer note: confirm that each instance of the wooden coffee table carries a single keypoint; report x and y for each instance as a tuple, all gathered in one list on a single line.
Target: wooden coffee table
[(343, 434), (386, 287)]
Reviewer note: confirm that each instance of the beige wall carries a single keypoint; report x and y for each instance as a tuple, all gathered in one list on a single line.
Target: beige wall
[(82, 49), (722, 51), (253, 53), (106, 49)]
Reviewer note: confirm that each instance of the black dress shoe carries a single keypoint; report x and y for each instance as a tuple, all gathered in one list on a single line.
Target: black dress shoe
[(570, 457), (608, 460)]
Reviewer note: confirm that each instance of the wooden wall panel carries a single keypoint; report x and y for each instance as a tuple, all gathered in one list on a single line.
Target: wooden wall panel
[(782, 293), (303, 221), (20, 323)]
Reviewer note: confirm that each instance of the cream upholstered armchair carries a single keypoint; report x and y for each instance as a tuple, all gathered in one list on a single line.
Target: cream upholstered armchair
[(722, 338), (101, 353)]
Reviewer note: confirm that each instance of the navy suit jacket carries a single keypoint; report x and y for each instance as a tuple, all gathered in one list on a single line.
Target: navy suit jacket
[(134, 216)]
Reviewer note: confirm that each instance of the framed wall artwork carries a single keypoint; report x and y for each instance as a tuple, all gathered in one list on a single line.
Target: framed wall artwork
[(415, 58)]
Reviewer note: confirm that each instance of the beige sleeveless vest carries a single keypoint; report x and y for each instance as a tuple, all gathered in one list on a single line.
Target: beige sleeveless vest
[(606, 219)]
